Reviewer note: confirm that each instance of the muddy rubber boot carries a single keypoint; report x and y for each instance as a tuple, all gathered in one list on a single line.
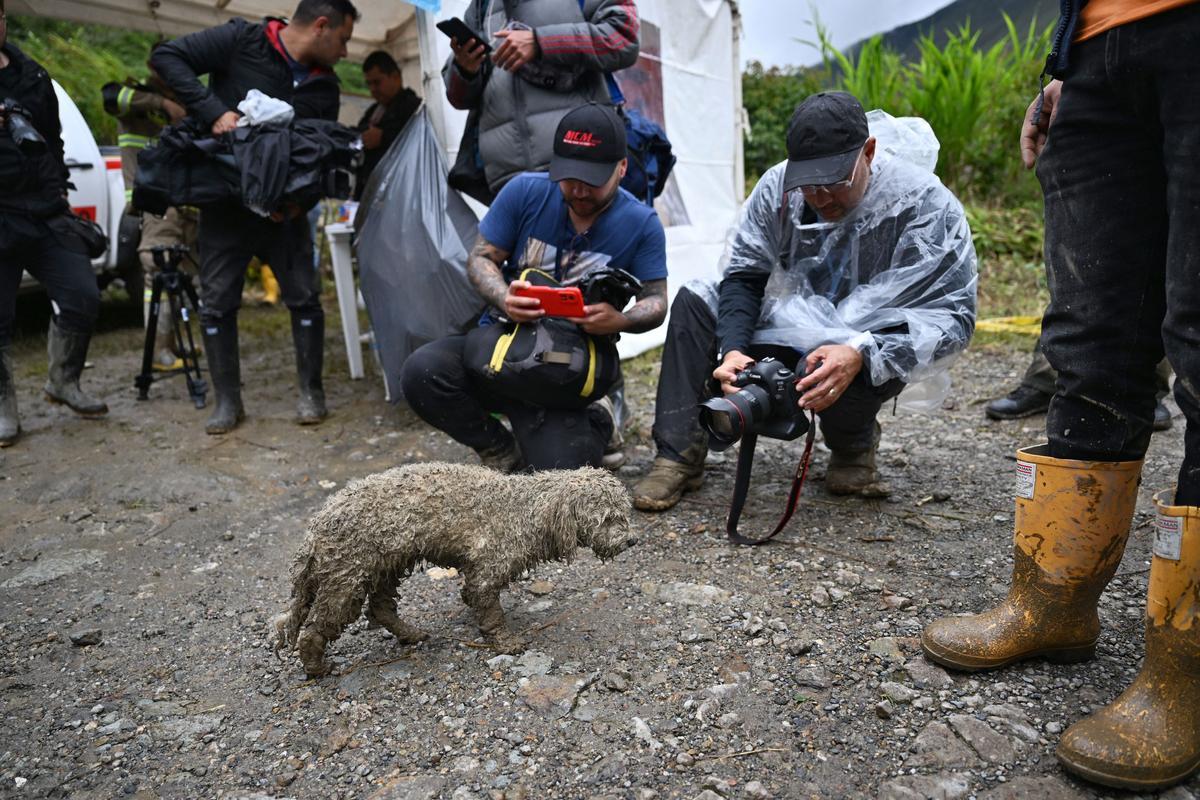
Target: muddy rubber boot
[(224, 367), (1149, 737), (1071, 524), (270, 286), (308, 334), (854, 472), (68, 352), (668, 480), (10, 424)]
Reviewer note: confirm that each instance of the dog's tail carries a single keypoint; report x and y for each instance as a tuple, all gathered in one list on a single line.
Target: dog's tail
[(304, 591)]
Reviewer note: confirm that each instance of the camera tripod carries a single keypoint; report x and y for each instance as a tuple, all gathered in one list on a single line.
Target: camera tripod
[(182, 303)]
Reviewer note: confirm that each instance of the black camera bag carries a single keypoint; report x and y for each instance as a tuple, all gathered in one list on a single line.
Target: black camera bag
[(550, 363)]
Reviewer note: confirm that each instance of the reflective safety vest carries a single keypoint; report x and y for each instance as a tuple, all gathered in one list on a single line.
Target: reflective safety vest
[(140, 119)]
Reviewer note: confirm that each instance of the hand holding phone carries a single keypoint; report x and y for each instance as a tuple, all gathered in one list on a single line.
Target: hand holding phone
[(556, 301), (461, 33)]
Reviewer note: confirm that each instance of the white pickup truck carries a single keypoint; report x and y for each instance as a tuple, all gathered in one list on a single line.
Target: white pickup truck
[(99, 195)]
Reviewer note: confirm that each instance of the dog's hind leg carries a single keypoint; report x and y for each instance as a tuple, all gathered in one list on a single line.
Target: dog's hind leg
[(381, 611)]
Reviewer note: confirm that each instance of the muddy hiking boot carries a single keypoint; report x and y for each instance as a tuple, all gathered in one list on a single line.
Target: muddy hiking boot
[(224, 367), (308, 335), (614, 448), (10, 424), (504, 457), (68, 352), (1071, 525), (1149, 737), (668, 480), (854, 472), (1023, 401)]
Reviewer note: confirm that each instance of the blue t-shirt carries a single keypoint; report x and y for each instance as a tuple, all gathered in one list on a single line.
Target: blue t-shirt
[(530, 221)]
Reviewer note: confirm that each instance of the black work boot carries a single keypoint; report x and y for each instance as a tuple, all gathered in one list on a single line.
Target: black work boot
[(1023, 401), (68, 352), (1162, 417), (221, 342), (10, 424), (308, 334)]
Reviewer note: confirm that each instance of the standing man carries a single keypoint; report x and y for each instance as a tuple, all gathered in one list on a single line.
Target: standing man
[(142, 111), (291, 62), (850, 266), (387, 116), (549, 57), (1120, 120), (565, 223), (36, 234)]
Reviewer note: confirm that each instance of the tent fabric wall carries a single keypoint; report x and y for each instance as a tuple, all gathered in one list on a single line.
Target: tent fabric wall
[(701, 87)]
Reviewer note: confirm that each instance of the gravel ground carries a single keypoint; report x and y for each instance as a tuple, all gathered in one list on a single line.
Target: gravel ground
[(140, 562)]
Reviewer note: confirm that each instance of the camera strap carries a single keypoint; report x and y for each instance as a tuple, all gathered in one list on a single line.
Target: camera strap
[(741, 486)]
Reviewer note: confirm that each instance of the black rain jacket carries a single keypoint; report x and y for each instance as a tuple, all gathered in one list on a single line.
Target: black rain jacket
[(239, 56), (34, 185)]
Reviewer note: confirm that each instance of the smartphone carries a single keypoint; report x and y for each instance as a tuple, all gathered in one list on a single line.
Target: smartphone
[(456, 29), (557, 301)]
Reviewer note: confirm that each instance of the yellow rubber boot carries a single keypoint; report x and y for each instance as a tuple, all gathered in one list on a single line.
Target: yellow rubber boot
[(1071, 524), (1149, 737), (270, 286)]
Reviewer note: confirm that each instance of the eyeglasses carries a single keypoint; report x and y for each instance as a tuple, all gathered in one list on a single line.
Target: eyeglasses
[(846, 183)]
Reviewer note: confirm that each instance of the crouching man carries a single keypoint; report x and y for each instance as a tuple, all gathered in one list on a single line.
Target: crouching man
[(565, 223), (856, 263)]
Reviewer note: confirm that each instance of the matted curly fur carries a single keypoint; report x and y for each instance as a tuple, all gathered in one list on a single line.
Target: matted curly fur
[(489, 526)]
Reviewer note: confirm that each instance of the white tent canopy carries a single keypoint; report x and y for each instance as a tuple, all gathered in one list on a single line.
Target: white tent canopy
[(690, 46)]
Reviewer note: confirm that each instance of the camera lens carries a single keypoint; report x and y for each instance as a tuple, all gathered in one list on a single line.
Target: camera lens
[(726, 419)]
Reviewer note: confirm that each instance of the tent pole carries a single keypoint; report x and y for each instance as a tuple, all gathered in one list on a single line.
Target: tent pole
[(433, 90), (739, 133)]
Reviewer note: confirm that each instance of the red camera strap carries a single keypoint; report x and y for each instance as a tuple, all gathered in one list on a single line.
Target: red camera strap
[(741, 486)]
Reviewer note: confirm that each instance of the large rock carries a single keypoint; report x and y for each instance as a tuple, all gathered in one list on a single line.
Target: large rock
[(937, 746), (53, 567), (947, 786), (991, 746), (1029, 788), (688, 594)]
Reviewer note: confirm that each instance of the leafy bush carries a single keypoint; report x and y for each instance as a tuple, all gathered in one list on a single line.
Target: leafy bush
[(82, 58)]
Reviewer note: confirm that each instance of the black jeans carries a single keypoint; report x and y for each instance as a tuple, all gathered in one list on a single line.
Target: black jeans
[(686, 380), (56, 256), (1041, 376), (230, 237), (1121, 177), (438, 387)]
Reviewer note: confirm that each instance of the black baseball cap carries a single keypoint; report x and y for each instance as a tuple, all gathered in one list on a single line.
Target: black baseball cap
[(823, 139), (588, 145)]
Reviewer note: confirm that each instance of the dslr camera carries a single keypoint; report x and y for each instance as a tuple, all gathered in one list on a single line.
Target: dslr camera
[(766, 405), (21, 129)]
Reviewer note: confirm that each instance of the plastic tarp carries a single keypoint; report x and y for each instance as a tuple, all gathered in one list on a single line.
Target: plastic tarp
[(414, 237), (688, 75), (896, 277)]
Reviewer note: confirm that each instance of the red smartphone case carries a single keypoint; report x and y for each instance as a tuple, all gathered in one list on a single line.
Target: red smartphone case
[(557, 301)]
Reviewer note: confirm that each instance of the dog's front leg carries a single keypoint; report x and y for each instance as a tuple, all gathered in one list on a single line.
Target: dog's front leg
[(485, 602)]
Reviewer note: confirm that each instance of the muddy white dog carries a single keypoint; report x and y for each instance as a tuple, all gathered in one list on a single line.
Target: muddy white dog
[(491, 527)]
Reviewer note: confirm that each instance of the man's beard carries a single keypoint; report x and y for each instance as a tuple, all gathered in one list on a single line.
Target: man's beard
[(589, 207)]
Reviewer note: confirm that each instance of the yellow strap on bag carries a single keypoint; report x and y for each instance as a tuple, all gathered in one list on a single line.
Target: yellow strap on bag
[(501, 349), (589, 385)]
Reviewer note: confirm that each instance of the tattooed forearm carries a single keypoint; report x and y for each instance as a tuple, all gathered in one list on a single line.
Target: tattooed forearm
[(650, 309), (483, 268)]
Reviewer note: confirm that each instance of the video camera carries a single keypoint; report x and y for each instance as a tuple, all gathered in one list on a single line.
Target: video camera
[(20, 128), (766, 405)]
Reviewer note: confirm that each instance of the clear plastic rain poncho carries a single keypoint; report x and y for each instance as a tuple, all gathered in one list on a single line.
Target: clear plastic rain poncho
[(896, 277)]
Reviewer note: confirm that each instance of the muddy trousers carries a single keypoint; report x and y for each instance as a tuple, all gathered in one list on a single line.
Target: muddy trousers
[(1122, 274), (54, 255), (689, 357), (230, 237), (1041, 376), (438, 387)]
